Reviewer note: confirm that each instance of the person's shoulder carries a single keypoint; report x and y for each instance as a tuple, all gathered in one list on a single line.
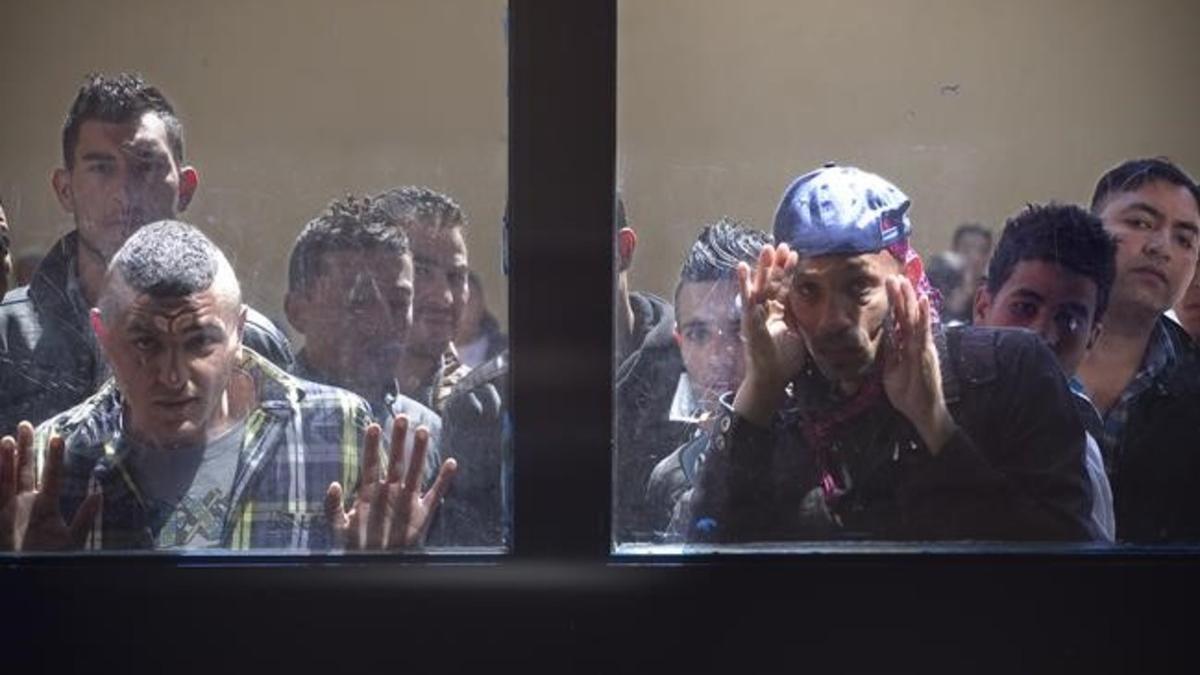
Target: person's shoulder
[(16, 308), (280, 390), (658, 352), (86, 426), (417, 413), (650, 311), (985, 342), (1184, 378), (980, 355), (265, 338)]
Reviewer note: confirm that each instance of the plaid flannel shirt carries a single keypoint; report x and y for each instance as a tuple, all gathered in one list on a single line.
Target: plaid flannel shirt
[(1159, 357), (301, 437)]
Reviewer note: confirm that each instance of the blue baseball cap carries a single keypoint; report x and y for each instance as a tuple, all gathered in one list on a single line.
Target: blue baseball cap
[(841, 209)]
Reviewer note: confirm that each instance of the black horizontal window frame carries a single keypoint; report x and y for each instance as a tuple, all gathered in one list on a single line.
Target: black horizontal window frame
[(560, 597)]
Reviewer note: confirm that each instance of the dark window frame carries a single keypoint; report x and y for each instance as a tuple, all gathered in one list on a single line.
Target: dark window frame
[(560, 596)]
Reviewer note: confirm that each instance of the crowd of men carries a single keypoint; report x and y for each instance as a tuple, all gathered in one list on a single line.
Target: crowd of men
[(814, 385), (143, 405), (810, 383)]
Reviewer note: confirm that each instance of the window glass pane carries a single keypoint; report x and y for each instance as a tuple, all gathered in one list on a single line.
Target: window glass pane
[(340, 170), (832, 405)]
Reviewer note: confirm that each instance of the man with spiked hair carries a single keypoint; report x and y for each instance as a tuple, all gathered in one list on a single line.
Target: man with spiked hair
[(708, 334)]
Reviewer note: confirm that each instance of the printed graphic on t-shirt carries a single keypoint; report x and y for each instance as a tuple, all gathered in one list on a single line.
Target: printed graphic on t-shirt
[(195, 523)]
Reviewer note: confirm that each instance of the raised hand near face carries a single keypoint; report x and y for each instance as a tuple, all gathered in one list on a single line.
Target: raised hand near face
[(912, 376), (30, 519), (774, 350), (391, 512)]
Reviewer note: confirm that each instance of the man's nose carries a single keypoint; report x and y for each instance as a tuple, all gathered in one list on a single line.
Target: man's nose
[(1156, 242), (837, 316), (173, 368), (439, 291), (1046, 328)]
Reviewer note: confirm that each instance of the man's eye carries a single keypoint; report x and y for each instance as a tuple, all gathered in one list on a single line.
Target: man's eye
[(201, 344), (1068, 322), (697, 335), (1024, 310), (145, 344), (1139, 223), (101, 168), (1188, 242)]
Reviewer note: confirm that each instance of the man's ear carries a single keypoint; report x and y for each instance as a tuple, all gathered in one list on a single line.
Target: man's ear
[(983, 303), (241, 324), (626, 243), (189, 180), (60, 180), (294, 309), (98, 327), (678, 336)]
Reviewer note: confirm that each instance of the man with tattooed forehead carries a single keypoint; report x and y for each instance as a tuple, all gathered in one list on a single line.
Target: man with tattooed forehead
[(859, 416)]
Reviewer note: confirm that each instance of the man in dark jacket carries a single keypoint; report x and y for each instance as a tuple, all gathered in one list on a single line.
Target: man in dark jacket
[(1143, 374), (122, 168), (647, 365), (707, 330), (859, 418)]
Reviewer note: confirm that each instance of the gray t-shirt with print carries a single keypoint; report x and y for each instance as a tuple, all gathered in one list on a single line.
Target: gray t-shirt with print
[(186, 490)]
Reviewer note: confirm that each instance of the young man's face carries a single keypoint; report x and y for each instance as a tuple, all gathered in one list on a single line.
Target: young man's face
[(356, 316), (708, 331), (440, 283), (840, 306), (124, 176), (1157, 228), (1188, 308), (1049, 299), (173, 359)]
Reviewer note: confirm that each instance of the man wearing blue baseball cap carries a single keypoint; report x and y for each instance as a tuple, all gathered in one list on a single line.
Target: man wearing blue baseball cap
[(860, 417)]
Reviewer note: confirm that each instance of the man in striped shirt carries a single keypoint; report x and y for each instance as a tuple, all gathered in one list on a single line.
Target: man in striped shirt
[(199, 442)]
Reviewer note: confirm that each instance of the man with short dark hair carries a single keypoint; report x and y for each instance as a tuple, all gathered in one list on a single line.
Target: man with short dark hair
[(648, 365), (1143, 373), (350, 294), (858, 417), (123, 167), (197, 441), (709, 337), (1052, 273), (429, 367)]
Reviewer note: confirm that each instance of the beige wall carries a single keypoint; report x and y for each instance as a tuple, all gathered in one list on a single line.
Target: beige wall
[(286, 104), (974, 107)]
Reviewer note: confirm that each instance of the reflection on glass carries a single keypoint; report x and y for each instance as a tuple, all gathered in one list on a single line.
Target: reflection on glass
[(1026, 385), (146, 405)]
